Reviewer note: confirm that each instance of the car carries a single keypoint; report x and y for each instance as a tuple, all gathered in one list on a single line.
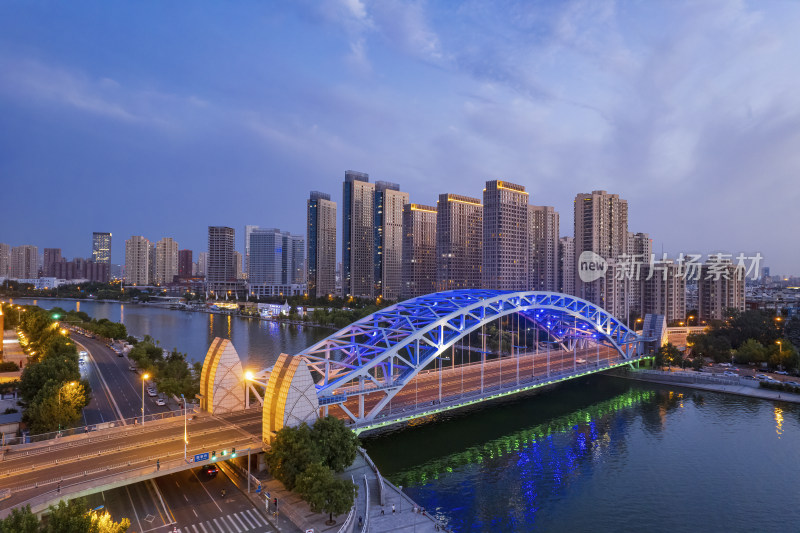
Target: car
[(210, 470), (729, 373), (83, 353), (132, 368), (782, 372), (152, 393), (161, 401), (750, 378), (580, 361), (793, 383), (761, 377)]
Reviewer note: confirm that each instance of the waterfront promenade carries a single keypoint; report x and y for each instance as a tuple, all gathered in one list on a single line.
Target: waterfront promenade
[(698, 380)]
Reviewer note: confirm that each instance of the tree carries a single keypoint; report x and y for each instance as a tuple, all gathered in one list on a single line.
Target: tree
[(751, 351), (56, 407), (68, 517), (290, 454), (669, 354), (337, 445), (20, 521), (74, 517), (325, 493), (792, 330)]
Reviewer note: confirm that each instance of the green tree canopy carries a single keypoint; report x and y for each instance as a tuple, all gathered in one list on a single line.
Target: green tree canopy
[(337, 445), (291, 452), (324, 492)]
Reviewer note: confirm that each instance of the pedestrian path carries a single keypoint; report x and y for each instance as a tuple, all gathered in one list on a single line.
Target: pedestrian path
[(248, 521)]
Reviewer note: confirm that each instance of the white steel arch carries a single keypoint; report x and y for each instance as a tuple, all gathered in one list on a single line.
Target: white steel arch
[(384, 351)]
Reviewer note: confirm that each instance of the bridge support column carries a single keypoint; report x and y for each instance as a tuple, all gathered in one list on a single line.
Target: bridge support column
[(222, 387), (290, 398)]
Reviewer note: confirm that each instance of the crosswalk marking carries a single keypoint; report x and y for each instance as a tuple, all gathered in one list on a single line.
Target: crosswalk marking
[(221, 528), (257, 518), (235, 525), (241, 522), (244, 521), (247, 518)]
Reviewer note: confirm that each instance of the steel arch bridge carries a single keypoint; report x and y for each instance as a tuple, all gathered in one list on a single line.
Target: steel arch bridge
[(382, 353)]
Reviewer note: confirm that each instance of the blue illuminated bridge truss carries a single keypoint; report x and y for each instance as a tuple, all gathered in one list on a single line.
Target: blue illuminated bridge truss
[(385, 350)]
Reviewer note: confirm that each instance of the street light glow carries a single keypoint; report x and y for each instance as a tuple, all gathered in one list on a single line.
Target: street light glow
[(248, 375), (145, 376)]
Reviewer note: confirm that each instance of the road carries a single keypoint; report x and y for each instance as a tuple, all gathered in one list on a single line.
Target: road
[(125, 384), (189, 501), (465, 380), (129, 452)]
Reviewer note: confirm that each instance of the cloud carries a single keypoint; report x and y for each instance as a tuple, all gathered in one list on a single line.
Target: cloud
[(38, 83)]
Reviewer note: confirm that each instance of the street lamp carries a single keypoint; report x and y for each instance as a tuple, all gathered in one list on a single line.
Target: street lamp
[(145, 377), (185, 434)]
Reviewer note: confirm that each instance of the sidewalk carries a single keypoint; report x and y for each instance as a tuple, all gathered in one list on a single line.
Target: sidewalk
[(732, 388), (295, 515)]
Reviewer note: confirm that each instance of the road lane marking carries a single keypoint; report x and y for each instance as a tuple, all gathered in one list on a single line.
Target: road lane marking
[(105, 385), (205, 489), (133, 507), (185, 498), (204, 528), (219, 526), (163, 504)]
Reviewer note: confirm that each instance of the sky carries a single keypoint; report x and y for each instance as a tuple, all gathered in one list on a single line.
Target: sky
[(162, 118)]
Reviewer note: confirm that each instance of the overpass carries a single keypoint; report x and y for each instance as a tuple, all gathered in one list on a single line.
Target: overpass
[(410, 361)]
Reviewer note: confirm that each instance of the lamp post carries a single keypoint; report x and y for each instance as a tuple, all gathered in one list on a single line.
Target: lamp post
[(145, 377), (185, 433)]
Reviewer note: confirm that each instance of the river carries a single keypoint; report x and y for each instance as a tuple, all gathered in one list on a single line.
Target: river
[(598, 454)]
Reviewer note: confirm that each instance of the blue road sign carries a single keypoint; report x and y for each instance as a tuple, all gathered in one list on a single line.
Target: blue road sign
[(201, 457)]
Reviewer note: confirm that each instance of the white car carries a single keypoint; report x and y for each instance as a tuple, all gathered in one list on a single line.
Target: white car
[(83, 353), (729, 373), (161, 401), (152, 393)]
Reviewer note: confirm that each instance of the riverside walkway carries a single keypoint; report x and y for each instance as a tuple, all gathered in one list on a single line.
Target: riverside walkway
[(700, 381)]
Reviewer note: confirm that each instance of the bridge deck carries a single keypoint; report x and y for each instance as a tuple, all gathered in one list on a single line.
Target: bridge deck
[(88, 464)]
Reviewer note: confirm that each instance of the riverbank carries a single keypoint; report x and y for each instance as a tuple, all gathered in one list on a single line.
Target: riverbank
[(700, 381)]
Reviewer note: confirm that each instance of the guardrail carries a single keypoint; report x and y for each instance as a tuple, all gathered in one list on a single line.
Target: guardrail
[(381, 486), (347, 526), (693, 377), (133, 421), (156, 465), (365, 525), (463, 399)]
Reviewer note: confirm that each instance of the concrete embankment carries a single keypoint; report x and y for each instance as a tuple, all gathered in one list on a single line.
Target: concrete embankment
[(698, 380)]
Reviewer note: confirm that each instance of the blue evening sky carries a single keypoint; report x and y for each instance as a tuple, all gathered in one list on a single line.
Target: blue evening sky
[(160, 118)]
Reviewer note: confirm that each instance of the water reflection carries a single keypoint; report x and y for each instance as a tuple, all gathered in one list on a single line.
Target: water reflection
[(778, 421)]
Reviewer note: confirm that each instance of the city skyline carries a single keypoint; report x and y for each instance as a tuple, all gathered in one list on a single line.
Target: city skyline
[(578, 97)]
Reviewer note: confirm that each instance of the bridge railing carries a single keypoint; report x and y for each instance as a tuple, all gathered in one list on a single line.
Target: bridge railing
[(14, 440), (355, 390), (82, 484), (525, 382), (381, 485), (365, 526)]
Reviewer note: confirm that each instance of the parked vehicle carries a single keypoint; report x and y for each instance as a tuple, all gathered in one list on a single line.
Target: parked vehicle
[(161, 401), (782, 372)]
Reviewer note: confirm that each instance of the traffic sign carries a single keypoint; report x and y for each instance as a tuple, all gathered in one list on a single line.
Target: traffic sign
[(201, 457)]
